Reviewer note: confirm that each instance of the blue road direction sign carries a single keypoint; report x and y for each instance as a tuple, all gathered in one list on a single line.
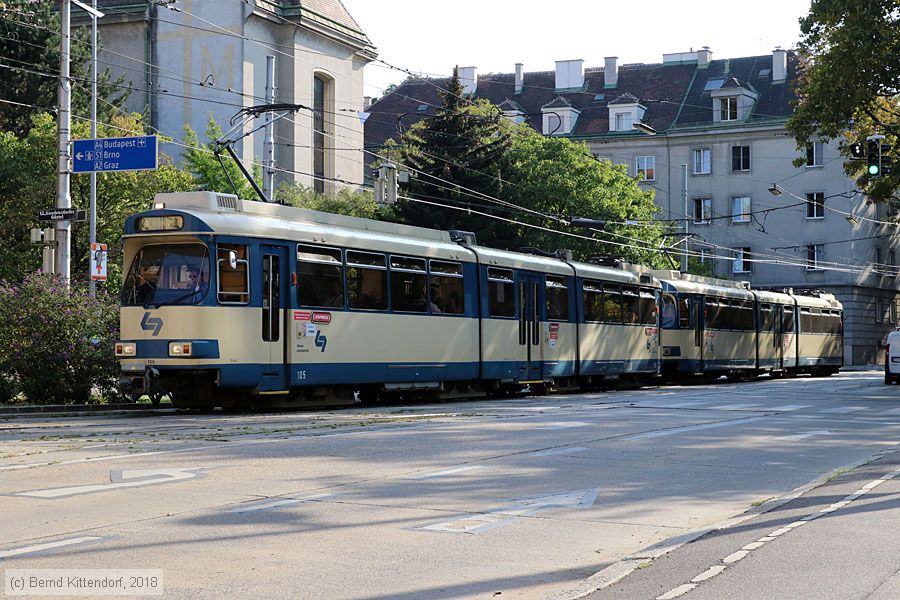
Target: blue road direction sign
[(114, 154)]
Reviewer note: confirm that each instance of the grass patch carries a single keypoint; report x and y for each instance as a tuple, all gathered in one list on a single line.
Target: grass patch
[(761, 502), (837, 474), (643, 565)]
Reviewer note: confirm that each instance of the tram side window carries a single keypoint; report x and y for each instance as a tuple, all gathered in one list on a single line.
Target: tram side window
[(766, 321), (321, 277), (835, 323), (592, 298), (408, 289), (648, 307), (234, 283), (745, 315), (366, 281), (631, 305), (806, 321), (684, 313), (501, 293), (446, 287), (612, 304), (788, 319), (669, 314), (557, 299)]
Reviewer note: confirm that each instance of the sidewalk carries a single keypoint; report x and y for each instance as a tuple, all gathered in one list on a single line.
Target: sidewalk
[(838, 541)]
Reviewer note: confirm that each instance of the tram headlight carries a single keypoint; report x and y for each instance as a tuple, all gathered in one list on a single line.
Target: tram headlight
[(180, 348), (126, 349)]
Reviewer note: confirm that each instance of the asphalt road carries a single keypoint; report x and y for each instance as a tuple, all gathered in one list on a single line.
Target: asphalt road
[(550, 497)]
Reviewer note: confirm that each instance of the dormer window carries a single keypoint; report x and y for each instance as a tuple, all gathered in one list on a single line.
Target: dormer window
[(624, 112), (559, 117), (728, 108), (624, 121)]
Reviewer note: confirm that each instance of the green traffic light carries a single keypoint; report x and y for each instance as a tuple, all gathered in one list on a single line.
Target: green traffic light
[(873, 169)]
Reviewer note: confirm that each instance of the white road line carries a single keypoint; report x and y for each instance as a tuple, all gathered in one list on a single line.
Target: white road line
[(802, 436), (893, 411), (563, 425), (738, 406), (679, 591), (843, 410), (683, 404), (789, 407), (559, 451), (444, 472), (678, 430), (280, 503), (735, 556), (707, 574), (49, 546)]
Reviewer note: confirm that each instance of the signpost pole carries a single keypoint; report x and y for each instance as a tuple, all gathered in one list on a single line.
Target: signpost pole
[(92, 283), (63, 199)]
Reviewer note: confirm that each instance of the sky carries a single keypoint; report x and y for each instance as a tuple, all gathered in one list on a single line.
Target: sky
[(430, 37)]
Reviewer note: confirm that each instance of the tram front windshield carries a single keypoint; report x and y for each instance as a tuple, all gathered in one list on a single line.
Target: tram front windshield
[(167, 274)]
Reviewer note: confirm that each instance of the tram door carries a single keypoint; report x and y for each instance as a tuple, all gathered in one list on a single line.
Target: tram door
[(698, 324), (778, 338), (530, 289), (275, 294)]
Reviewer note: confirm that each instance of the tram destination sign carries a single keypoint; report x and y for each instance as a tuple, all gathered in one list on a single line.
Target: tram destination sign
[(115, 154), (62, 214)]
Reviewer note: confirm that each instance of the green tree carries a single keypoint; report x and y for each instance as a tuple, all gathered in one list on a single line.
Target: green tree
[(28, 184), (560, 178), (456, 158), (344, 202), (30, 50), (849, 79), (216, 174)]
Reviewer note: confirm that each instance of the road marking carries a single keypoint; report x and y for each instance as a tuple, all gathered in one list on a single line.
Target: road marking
[(118, 479), (893, 411), (802, 436), (679, 591), (684, 404), (279, 503), (559, 451), (707, 574), (677, 430), (444, 472), (740, 554), (789, 407), (478, 523), (563, 425), (49, 546), (843, 410), (738, 406)]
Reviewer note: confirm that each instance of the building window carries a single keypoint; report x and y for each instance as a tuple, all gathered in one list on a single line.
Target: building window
[(813, 256), (815, 205), (623, 121), (878, 261), (646, 168), (879, 310), (814, 154), (741, 263), (893, 311), (702, 210), (740, 209), (702, 161), (740, 158), (319, 91), (728, 109), (892, 262)]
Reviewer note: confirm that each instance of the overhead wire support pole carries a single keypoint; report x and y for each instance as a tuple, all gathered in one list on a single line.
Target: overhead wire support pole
[(64, 126), (684, 197), (269, 140), (92, 285)]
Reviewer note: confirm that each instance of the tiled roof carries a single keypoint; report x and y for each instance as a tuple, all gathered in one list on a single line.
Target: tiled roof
[(558, 102), (674, 94), (625, 99), (511, 105)]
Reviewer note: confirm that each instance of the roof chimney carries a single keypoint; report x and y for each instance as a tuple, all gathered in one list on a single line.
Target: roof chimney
[(779, 64), (569, 74), (468, 77), (704, 56), (520, 78), (610, 72)]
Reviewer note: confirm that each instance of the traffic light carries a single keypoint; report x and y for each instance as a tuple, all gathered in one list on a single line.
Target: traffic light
[(886, 159), (873, 160), (856, 150)]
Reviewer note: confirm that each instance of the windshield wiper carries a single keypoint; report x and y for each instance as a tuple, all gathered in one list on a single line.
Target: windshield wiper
[(172, 301)]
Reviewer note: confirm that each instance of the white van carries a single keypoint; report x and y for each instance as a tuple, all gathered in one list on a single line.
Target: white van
[(892, 358)]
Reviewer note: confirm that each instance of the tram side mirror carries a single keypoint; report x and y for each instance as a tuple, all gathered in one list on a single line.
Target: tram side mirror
[(232, 259)]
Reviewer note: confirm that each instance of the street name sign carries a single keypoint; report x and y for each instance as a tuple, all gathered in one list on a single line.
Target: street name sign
[(62, 214), (115, 154)]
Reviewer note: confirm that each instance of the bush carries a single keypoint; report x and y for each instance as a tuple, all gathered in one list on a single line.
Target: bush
[(56, 343)]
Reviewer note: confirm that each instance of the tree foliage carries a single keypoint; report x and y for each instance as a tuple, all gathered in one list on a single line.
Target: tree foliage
[(28, 184), (469, 157), (216, 174), (344, 202), (29, 45), (849, 79)]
